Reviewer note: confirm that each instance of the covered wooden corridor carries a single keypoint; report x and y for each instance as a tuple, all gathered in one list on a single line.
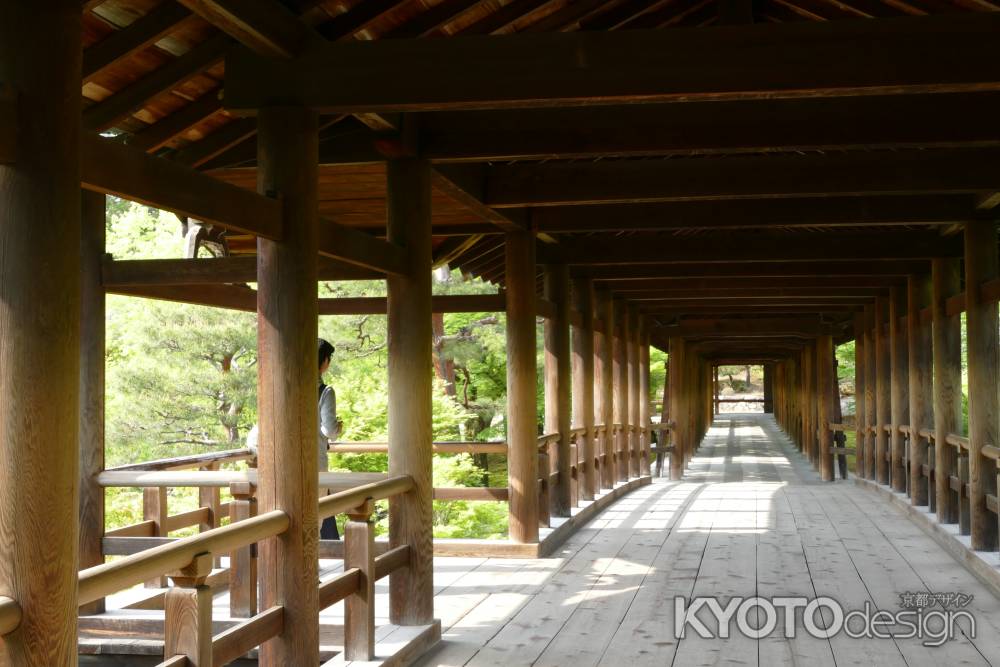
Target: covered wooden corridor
[(750, 518)]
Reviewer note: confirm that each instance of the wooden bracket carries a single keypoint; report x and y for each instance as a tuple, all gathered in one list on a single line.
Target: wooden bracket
[(195, 573)]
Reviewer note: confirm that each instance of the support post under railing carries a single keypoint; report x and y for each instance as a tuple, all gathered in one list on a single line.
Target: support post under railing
[(187, 624), (359, 607), (154, 508), (243, 561)]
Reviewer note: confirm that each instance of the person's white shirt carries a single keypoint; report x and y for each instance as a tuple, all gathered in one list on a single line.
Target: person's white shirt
[(328, 428)]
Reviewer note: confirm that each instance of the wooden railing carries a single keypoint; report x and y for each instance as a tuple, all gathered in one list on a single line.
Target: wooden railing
[(189, 563), (10, 615), (959, 477)]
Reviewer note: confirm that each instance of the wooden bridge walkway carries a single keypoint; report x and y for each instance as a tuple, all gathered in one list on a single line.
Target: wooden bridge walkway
[(751, 518)]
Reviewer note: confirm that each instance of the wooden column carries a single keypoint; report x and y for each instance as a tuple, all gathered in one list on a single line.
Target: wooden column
[(826, 379), (287, 304), (947, 350), (920, 384), (583, 384), (635, 396), (808, 399), (769, 388), (675, 354), (859, 395), (410, 364), (715, 389), (620, 360), (522, 417), (899, 374), (604, 388), (883, 391), (557, 383), (871, 416), (983, 332), (92, 347), (644, 399), (40, 332)]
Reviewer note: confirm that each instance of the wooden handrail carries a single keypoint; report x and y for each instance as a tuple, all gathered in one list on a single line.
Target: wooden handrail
[(222, 478), (342, 501), (904, 429), (229, 645), (839, 427), (991, 452), (334, 590), (103, 580), (10, 615), (392, 560), (928, 434), (457, 447), (189, 462)]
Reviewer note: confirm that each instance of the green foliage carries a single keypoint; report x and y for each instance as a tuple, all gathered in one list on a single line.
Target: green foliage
[(182, 379)]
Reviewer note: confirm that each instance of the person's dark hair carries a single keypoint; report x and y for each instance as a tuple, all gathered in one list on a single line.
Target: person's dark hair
[(325, 351)]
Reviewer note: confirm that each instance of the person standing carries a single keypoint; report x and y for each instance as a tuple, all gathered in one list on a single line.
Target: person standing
[(329, 429)]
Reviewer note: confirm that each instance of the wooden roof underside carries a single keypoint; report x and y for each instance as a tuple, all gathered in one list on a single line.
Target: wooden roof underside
[(723, 203)]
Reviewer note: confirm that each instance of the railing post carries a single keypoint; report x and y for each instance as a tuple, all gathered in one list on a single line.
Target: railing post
[(359, 607), (947, 351), (155, 509), (544, 487), (243, 561), (187, 615)]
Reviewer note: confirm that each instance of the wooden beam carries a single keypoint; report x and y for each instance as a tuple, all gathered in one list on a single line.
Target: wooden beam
[(632, 181), (899, 405), (604, 386), (467, 185), (710, 127), (740, 283), (607, 276), (920, 391), (208, 271), (144, 31), (583, 390), (111, 167), (357, 247), (163, 131), (905, 55), (232, 297), (804, 326), (751, 294), (751, 213), (266, 28), (557, 378), (450, 303), (742, 248)]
